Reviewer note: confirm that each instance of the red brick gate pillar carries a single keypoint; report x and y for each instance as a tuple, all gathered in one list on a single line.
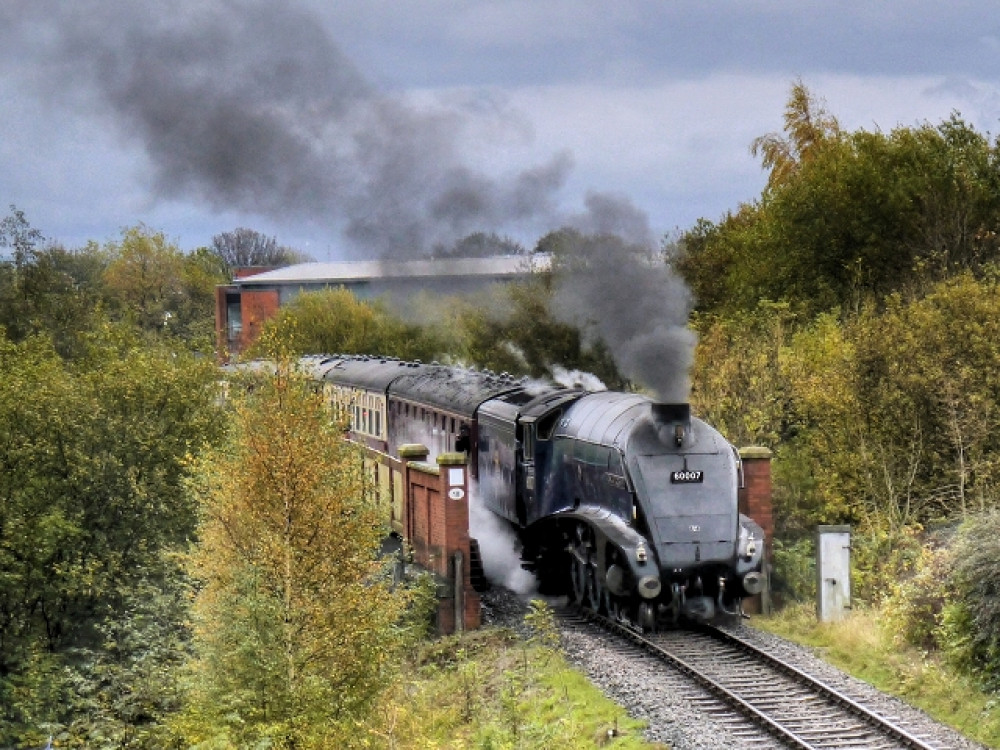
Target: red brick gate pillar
[(755, 502), (455, 517), (410, 452)]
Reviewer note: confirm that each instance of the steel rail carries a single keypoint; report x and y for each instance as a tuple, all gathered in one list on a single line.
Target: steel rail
[(772, 726), (872, 718), (759, 718)]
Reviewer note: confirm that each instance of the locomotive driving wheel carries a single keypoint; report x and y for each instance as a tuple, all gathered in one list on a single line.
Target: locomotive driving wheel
[(595, 591), (582, 570), (613, 605), (646, 616)]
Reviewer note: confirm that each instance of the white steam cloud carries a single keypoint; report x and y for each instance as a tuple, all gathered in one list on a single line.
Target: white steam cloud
[(498, 546)]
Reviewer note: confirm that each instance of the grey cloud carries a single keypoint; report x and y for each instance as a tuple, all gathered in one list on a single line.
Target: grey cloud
[(644, 40)]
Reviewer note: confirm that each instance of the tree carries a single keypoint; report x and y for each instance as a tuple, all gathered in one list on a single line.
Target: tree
[(54, 292), (153, 285), (45, 290), (18, 234), (480, 245), (334, 321), (246, 248), (193, 318), (970, 624), (739, 387), (143, 277), (515, 330), (892, 419), (808, 126), (92, 458), (295, 619), (936, 358), (849, 218)]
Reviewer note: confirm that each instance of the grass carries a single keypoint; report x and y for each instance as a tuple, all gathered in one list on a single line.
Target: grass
[(489, 690), (861, 646)]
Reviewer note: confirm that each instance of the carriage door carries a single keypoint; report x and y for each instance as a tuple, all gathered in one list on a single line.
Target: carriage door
[(526, 470)]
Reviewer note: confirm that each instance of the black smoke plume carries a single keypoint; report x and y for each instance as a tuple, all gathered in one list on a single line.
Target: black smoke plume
[(612, 285), (250, 106)]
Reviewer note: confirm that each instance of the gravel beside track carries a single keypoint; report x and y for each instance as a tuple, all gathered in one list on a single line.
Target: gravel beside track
[(644, 689)]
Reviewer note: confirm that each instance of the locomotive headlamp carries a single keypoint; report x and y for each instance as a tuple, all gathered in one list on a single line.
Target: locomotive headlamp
[(748, 543), (641, 556)]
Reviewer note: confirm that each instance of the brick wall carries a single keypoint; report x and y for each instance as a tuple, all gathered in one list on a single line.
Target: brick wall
[(755, 495), (437, 527), (256, 307)]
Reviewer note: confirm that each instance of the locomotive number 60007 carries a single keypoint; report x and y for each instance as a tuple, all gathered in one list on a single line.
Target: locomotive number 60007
[(687, 476)]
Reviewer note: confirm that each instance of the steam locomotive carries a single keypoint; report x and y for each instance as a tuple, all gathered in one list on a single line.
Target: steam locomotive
[(626, 505)]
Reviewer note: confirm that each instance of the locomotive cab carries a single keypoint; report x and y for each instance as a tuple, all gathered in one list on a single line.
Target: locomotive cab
[(515, 439)]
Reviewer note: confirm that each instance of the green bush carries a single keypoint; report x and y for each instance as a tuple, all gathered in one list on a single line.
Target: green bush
[(883, 555), (970, 623), (917, 601), (794, 575)]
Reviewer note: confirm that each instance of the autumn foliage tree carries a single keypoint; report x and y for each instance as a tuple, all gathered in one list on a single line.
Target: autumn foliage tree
[(850, 217), (296, 625), (334, 321), (151, 284), (92, 513), (246, 248)]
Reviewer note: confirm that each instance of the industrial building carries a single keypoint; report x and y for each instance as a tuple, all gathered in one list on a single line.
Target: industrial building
[(255, 295)]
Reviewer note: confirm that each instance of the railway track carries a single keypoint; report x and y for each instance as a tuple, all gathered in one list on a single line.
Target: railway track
[(762, 700)]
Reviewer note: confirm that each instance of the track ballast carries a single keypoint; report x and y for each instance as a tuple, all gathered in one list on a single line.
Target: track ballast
[(755, 698)]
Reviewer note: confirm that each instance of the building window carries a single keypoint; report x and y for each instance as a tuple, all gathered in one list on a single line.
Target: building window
[(234, 318)]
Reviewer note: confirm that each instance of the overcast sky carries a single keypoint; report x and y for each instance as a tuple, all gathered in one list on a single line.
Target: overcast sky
[(359, 129)]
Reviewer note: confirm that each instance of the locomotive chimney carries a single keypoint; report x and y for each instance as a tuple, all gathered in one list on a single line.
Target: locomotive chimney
[(672, 421)]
